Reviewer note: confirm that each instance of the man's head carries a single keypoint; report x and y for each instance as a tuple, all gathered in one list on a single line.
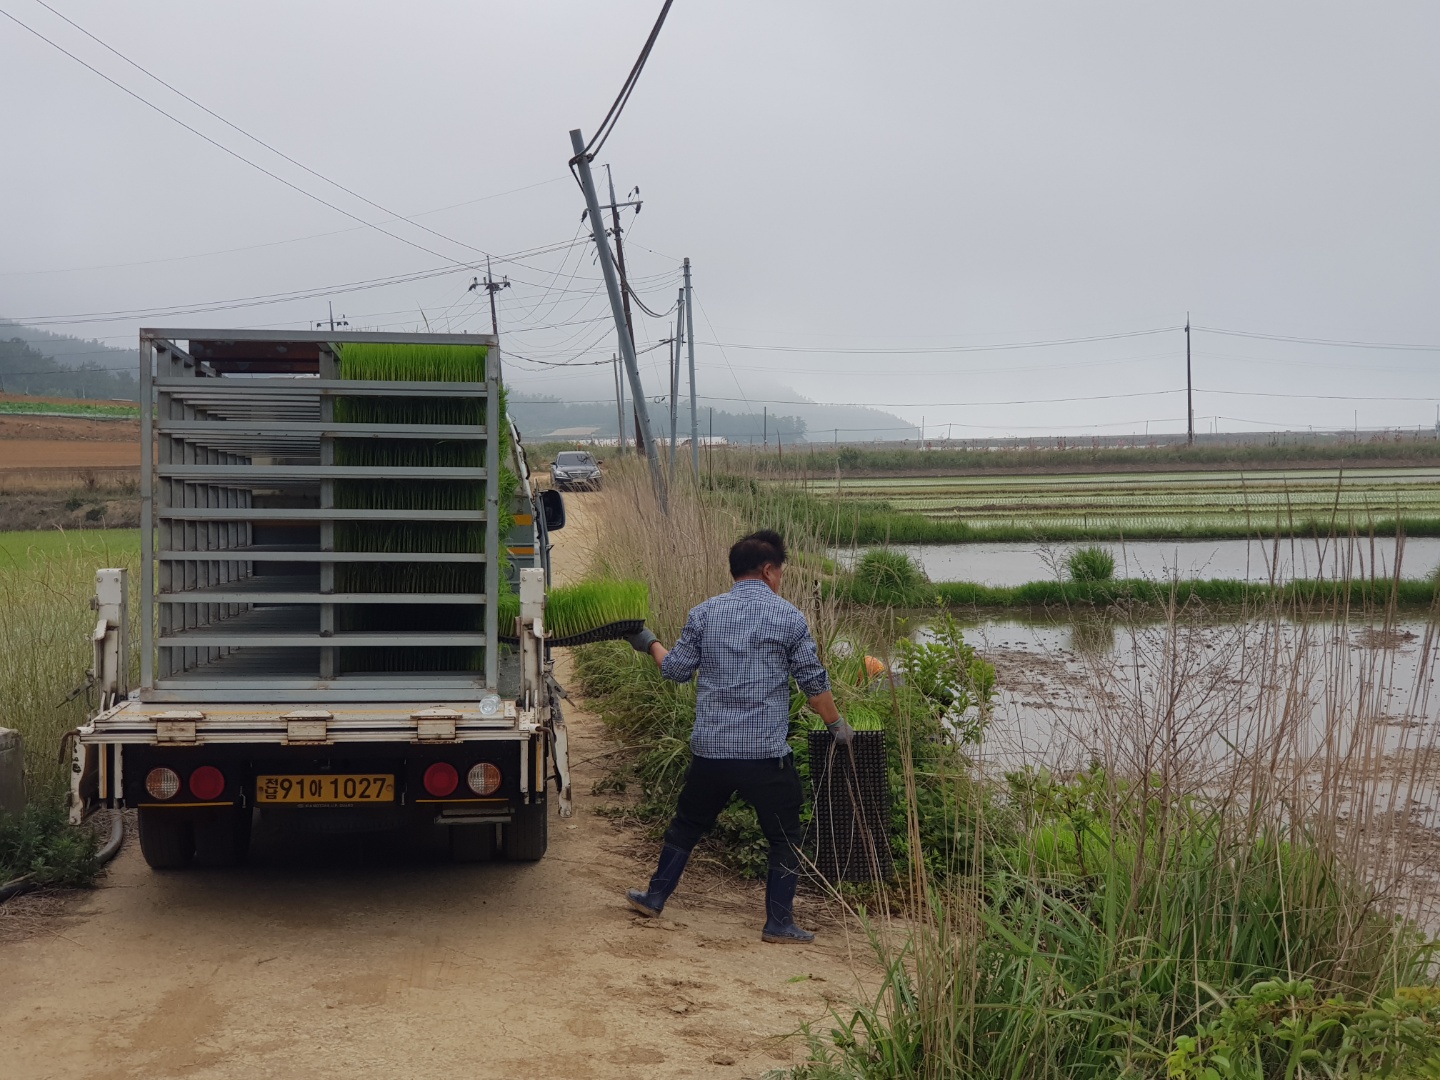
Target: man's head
[(761, 555)]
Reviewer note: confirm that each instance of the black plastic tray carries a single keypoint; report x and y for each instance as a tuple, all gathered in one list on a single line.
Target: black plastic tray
[(609, 632), (851, 825)]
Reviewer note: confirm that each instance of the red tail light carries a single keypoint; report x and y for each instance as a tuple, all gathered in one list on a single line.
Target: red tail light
[(207, 783), (441, 779)]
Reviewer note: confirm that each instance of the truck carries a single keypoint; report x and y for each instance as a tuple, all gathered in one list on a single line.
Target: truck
[(324, 560)]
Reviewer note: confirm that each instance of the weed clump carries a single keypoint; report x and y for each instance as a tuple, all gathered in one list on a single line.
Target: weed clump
[(890, 578), (41, 847), (1091, 564)]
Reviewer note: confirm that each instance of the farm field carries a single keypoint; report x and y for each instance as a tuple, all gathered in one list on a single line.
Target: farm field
[(1131, 502), (121, 547)]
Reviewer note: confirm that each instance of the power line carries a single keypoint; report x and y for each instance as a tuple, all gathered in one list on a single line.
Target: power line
[(994, 347), (291, 240), (613, 116), (241, 157), (1333, 342)]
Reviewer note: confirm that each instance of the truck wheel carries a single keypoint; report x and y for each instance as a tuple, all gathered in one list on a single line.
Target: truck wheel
[(222, 836), (527, 835), (167, 838), (472, 843)]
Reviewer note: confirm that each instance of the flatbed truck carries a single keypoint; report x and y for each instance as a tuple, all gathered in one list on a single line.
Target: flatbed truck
[(254, 607)]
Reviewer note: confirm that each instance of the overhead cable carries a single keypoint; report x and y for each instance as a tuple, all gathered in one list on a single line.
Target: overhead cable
[(612, 117)]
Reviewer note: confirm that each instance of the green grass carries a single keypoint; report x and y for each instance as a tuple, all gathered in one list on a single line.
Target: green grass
[(108, 546), (1090, 564), (1097, 507), (1215, 592), (821, 460), (45, 627), (51, 408), (41, 847)]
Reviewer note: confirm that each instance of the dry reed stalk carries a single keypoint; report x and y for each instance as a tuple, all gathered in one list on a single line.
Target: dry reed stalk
[(682, 556)]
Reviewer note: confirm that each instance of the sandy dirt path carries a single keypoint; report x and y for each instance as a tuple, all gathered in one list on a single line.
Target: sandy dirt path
[(342, 957)]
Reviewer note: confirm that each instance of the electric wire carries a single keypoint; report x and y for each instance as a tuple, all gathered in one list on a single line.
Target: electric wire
[(612, 117), (236, 127)]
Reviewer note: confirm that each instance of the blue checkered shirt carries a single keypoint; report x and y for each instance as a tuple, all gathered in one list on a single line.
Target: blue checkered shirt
[(746, 644)]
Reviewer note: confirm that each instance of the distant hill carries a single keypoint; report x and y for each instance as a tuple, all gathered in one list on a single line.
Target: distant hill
[(541, 415), (34, 361)]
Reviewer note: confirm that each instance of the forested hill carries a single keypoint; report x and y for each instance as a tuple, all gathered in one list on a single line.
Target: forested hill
[(539, 416), (38, 362)]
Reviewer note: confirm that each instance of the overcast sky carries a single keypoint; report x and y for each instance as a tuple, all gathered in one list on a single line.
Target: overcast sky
[(843, 175)]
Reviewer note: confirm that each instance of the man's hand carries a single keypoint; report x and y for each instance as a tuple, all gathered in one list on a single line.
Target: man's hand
[(642, 639), (843, 732)]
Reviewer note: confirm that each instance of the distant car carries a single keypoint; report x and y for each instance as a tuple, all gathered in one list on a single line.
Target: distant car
[(574, 469)]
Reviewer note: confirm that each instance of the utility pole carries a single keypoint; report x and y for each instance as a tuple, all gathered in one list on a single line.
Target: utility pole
[(680, 329), (1189, 389), (491, 286), (619, 404), (690, 342), (334, 322), (764, 427), (581, 163), (624, 281)]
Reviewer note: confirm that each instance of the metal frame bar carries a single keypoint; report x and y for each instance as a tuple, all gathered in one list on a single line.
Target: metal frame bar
[(215, 440), (316, 337)]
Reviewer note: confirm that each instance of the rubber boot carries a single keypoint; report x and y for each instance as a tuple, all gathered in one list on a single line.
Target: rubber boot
[(780, 928), (667, 875)]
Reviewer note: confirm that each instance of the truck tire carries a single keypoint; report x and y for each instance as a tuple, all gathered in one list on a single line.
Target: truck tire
[(222, 836), (527, 835), (167, 838), (472, 843)]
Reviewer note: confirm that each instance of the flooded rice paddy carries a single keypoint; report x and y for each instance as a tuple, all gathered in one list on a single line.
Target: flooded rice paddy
[(1243, 560)]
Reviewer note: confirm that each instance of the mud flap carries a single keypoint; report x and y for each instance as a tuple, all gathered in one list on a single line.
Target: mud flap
[(561, 740)]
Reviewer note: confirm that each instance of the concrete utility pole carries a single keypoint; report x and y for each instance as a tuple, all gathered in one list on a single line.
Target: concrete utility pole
[(680, 329), (646, 445), (694, 417), (619, 404), (620, 265), (334, 322), (491, 286), (1189, 389)]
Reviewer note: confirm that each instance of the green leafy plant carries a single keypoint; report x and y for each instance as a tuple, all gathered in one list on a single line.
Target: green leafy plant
[(41, 847), (894, 578), (1091, 564)]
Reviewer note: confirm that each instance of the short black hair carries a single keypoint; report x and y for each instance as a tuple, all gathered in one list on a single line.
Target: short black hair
[(750, 553)]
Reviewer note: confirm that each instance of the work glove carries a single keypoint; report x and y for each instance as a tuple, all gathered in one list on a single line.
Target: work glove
[(642, 639), (843, 732)]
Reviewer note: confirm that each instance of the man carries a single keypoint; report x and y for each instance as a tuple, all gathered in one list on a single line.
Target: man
[(746, 645)]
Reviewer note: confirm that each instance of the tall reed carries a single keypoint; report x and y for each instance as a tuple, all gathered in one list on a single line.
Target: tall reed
[(1232, 805)]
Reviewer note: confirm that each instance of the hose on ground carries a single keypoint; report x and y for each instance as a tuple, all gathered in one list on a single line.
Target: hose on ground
[(107, 851)]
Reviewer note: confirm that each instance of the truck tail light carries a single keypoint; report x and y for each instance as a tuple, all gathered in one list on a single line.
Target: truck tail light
[(483, 778), (162, 783), (207, 783), (441, 779)]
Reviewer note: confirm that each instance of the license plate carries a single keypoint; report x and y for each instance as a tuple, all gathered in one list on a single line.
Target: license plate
[(325, 788)]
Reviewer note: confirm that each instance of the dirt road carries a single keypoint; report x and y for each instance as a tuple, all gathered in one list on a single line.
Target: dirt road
[(339, 956)]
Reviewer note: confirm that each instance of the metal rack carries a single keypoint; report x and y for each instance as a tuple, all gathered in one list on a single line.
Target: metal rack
[(238, 519)]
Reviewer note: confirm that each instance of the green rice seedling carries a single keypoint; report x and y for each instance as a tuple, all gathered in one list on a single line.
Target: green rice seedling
[(589, 605), (417, 363), (1091, 564)]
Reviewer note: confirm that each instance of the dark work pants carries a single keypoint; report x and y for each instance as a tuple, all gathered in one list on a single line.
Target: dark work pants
[(770, 785)]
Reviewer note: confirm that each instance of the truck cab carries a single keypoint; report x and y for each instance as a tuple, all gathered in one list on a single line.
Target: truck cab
[(332, 564)]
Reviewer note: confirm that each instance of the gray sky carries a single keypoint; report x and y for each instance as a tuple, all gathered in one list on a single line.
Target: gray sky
[(843, 175)]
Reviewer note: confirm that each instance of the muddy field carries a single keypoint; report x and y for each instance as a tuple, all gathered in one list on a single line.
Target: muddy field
[(69, 473)]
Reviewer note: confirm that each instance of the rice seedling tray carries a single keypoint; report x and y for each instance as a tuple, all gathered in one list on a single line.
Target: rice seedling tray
[(609, 632), (850, 826)]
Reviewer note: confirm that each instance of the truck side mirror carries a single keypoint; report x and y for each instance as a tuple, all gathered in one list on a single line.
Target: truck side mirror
[(553, 507)]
